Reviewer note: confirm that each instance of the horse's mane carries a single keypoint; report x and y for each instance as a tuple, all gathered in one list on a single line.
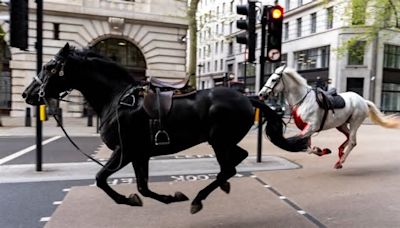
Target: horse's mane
[(292, 73), (101, 61)]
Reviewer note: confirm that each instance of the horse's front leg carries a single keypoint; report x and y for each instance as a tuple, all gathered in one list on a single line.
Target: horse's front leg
[(142, 176), (117, 161), (306, 132)]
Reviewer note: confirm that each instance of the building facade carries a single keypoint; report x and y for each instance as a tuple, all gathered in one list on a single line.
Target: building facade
[(142, 35), (314, 34)]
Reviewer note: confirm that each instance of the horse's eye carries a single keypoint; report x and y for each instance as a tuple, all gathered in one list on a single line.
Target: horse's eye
[(273, 80)]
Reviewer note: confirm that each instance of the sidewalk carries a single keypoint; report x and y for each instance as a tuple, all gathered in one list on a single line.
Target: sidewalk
[(75, 126)]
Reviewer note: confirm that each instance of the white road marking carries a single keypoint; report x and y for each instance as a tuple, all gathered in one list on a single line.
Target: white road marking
[(57, 202), (45, 219), (66, 189), (302, 212), (282, 197), (26, 150)]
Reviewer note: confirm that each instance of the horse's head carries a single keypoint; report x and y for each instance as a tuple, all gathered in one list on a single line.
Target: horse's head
[(51, 81), (274, 84)]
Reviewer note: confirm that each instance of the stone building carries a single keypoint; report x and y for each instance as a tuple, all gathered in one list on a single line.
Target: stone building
[(146, 36), (313, 32)]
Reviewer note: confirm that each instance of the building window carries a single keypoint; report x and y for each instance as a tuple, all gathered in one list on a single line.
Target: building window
[(356, 53), (299, 3), (231, 27), (56, 30), (221, 65), (216, 48), (329, 20), (231, 7), (391, 58), (314, 58), (222, 47), (358, 12), (215, 66), (287, 4), (313, 22), (299, 21), (390, 97), (230, 48), (286, 30)]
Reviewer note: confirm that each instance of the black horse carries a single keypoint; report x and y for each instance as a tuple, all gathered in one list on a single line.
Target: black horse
[(219, 116)]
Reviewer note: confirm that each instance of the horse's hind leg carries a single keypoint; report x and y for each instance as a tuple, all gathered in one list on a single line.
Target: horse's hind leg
[(228, 158), (352, 142), (115, 163), (141, 168), (345, 130)]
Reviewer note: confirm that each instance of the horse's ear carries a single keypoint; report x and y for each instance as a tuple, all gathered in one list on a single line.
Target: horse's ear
[(65, 50)]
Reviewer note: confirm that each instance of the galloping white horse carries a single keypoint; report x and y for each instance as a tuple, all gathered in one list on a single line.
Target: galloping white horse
[(309, 116)]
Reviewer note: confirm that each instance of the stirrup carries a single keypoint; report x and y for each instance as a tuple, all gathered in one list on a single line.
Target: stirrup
[(161, 138)]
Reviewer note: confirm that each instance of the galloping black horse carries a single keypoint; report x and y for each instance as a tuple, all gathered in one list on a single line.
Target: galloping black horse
[(219, 116)]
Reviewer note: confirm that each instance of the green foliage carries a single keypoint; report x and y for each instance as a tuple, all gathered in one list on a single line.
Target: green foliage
[(370, 17)]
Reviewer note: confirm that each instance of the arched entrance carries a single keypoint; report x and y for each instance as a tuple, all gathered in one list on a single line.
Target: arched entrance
[(5, 76), (125, 53)]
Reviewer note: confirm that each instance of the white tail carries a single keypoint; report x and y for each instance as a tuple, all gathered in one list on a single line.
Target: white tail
[(378, 117)]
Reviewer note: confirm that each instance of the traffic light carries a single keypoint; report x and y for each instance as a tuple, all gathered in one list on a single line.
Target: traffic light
[(249, 25), (19, 24), (274, 38)]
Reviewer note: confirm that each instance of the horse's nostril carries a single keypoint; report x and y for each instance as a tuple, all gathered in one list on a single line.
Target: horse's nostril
[(24, 95)]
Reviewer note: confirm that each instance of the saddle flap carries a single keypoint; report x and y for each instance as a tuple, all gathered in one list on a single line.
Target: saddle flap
[(151, 106)]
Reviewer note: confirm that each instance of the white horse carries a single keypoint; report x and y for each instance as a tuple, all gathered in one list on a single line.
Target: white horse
[(308, 115)]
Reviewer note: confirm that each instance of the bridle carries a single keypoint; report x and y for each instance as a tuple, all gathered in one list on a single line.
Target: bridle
[(59, 67), (280, 75)]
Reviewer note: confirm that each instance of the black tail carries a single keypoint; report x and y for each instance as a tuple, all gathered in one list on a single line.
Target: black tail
[(274, 129)]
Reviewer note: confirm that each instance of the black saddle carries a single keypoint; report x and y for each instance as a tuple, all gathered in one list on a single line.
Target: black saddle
[(329, 100), (157, 103)]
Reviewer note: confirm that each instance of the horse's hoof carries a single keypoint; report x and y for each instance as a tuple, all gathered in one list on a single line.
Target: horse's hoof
[(338, 165), (134, 200), (196, 208), (326, 151), (226, 187), (179, 196)]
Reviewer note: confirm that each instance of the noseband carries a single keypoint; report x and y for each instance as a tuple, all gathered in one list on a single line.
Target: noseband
[(59, 67)]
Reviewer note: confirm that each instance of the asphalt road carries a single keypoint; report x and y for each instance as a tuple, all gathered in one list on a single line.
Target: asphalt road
[(28, 204)]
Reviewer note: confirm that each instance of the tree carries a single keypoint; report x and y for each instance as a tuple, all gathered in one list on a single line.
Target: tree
[(371, 17), (193, 5)]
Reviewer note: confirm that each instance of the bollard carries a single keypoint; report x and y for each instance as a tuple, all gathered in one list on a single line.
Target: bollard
[(28, 118), (97, 124), (90, 119), (59, 117)]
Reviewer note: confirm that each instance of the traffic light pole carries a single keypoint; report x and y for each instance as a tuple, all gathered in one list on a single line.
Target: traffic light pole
[(261, 81), (39, 62)]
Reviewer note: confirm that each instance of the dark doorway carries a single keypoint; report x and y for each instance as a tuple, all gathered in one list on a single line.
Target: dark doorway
[(356, 85)]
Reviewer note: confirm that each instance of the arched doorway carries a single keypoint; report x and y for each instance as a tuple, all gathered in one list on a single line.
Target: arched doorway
[(5, 76), (124, 53)]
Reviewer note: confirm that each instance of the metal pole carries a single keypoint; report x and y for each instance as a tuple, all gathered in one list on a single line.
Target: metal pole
[(245, 68), (261, 81), (39, 61)]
